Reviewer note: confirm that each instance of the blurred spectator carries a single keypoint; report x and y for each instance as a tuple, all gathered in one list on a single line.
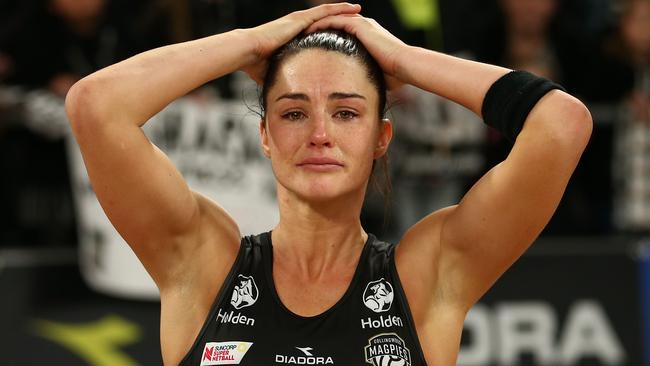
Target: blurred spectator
[(11, 16), (45, 46), (521, 34), (64, 40), (628, 54), (611, 78), (527, 45)]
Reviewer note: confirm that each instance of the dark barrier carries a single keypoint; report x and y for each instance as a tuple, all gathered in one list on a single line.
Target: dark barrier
[(574, 302), (49, 317), (566, 302)]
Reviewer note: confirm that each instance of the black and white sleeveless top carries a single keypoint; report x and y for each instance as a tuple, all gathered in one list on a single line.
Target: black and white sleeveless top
[(248, 324)]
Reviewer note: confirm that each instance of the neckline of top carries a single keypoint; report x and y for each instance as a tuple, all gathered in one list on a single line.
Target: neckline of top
[(268, 264)]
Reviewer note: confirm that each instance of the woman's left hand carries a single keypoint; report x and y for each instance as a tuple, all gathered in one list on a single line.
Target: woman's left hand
[(382, 45)]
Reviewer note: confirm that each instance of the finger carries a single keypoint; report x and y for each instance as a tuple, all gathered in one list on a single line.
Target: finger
[(325, 10), (345, 22)]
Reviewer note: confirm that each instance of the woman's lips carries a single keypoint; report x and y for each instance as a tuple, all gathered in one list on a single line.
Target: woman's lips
[(320, 164)]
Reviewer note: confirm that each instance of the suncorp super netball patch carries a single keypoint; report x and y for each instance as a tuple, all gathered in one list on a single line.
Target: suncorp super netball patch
[(224, 353)]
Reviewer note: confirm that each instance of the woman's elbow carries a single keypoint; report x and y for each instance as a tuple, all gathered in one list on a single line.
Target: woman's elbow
[(578, 123), (81, 104), (564, 121)]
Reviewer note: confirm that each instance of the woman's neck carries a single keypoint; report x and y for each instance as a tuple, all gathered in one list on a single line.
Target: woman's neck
[(318, 237)]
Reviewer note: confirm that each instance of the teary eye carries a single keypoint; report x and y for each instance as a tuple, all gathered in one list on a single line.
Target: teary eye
[(346, 115), (293, 115)]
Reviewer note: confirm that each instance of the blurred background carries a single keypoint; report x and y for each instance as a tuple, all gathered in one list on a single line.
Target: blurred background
[(72, 293)]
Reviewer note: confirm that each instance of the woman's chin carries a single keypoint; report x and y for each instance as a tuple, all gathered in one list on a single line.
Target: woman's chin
[(321, 190), (320, 193)]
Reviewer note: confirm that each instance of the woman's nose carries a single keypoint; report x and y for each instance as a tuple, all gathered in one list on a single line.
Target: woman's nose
[(320, 134)]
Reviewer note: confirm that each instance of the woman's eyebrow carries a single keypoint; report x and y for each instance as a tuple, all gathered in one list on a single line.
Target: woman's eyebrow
[(340, 95), (335, 95), (295, 96)]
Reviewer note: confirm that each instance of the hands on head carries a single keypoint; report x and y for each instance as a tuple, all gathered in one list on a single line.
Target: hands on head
[(381, 44)]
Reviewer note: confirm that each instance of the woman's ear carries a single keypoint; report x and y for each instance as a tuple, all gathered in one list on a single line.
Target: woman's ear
[(264, 139), (384, 138)]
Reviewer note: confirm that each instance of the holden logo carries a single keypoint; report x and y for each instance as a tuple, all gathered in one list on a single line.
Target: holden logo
[(245, 292), (378, 295)]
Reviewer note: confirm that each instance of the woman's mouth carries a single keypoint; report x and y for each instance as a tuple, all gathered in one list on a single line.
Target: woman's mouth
[(320, 164)]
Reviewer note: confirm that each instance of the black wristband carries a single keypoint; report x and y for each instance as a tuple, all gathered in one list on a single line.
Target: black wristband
[(509, 100)]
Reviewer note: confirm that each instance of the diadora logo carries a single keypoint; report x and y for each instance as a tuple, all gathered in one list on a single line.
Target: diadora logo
[(224, 353), (245, 292), (232, 318), (306, 357), (387, 349), (305, 350), (378, 295)]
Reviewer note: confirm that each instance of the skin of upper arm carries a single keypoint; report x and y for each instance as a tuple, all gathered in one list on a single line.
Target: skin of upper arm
[(457, 253), (142, 193), (197, 278)]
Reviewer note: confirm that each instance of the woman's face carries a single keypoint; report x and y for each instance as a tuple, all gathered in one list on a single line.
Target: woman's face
[(323, 128), (78, 10), (636, 29), (529, 16)]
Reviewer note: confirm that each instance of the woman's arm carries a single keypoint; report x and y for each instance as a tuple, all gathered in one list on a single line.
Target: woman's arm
[(505, 211), (169, 227), (142, 193), (461, 250), (134, 90)]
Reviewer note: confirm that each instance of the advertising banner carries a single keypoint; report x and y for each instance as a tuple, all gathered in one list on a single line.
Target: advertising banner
[(562, 304)]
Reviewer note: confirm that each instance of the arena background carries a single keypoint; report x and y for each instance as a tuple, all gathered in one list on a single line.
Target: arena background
[(72, 292)]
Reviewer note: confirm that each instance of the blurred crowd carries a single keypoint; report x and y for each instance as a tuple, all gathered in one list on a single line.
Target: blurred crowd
[(598, 49)]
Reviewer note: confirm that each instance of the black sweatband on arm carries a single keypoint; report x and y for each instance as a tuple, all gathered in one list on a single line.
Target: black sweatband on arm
[(509, 100)]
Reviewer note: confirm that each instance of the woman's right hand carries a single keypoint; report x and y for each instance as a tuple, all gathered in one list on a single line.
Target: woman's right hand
[(268, 37), (384, 47)]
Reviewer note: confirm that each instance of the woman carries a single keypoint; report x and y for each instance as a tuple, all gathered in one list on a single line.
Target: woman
[(324, 292)]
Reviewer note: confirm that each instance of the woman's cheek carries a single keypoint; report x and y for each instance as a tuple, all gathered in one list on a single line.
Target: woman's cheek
[(285, 138)]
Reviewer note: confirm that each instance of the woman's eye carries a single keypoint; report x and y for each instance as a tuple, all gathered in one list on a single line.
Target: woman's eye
[(345, 115), (293, 115)]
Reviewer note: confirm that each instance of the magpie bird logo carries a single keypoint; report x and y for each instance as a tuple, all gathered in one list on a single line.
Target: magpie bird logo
[(387, 349), (245, 292), (378, 295)]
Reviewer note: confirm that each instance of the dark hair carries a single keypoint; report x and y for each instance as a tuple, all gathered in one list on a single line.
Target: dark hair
[(328, 40), (344, 43)]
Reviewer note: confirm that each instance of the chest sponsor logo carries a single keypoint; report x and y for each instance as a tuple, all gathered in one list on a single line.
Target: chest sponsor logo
[(387, 349), (224, 353), (383, 322), (245, 292), (378, 295), (304, 357), (231, 317)]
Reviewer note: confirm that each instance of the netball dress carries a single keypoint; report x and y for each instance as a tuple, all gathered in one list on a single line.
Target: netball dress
[(248, 324)]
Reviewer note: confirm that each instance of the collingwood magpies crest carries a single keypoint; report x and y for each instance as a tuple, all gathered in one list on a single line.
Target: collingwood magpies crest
[(378, 295), (387, 349), (245, 292)]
